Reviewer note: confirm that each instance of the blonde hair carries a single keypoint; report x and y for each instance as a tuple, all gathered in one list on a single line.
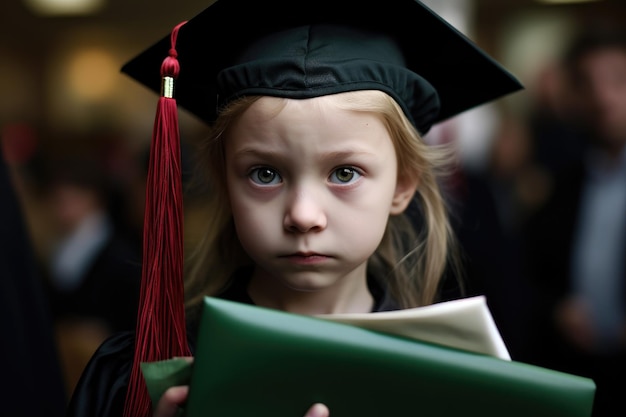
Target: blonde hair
[(410, 260)]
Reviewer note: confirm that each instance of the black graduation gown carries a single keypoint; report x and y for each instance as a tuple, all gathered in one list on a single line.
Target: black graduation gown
[(101, 390)]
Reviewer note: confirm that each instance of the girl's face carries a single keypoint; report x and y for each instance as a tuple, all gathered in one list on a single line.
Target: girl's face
[(311, 188)]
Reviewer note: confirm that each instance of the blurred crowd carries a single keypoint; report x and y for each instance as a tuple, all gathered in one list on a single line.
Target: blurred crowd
[(541, 222), (544, 220), (83, 205)]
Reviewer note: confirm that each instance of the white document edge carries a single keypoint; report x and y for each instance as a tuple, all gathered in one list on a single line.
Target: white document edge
[(465, 324)]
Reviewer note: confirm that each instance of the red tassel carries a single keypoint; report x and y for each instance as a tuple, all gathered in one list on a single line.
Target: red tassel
[(161, 328)]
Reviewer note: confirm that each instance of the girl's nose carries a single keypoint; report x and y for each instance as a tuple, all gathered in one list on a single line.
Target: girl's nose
[(304, 213)]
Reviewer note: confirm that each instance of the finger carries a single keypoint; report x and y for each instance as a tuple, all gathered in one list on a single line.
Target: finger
[(171, 401), (318, 410)]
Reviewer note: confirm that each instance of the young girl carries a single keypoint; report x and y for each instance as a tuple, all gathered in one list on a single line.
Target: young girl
[(314, 157), (312, 194)]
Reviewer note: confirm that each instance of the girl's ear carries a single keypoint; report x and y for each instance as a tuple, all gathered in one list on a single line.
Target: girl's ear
[(405, 190)]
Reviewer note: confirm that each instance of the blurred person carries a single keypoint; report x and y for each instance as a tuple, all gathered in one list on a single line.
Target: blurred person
[(577, 241), (488, 202), (29, 356), (93, 269), (556, 139)]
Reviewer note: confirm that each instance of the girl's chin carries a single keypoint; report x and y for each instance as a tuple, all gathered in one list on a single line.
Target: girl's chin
[(306, 284)]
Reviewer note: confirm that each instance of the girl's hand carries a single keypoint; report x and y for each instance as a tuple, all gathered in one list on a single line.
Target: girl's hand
[(175, 397), (171, 401), (318, 410)]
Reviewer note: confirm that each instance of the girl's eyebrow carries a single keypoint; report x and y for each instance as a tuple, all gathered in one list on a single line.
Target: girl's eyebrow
[(256, 151), (345, 154), (340, 154)]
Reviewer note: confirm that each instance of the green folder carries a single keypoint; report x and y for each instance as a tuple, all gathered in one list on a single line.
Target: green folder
[(257, 362)]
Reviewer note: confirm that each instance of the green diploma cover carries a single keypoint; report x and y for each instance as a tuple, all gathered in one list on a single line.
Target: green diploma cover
[(257, 362)]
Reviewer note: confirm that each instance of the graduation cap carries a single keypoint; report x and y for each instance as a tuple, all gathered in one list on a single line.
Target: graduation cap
[(270, 47), (236, 48)]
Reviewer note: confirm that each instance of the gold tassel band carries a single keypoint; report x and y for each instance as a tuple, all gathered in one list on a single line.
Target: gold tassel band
[(167, 87)]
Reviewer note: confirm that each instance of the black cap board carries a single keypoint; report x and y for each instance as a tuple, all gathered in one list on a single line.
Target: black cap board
[(306, 49)]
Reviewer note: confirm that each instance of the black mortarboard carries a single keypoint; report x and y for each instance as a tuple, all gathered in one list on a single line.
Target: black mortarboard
[(298, 50)]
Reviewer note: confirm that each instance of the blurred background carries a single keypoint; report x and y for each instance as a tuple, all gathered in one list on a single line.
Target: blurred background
[(75, 134)]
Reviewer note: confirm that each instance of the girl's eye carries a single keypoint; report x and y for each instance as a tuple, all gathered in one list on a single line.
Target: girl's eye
[(264, 176), (344, 175)]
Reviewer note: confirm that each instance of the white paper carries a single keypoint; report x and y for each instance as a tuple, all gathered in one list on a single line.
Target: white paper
[(465, 324)]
